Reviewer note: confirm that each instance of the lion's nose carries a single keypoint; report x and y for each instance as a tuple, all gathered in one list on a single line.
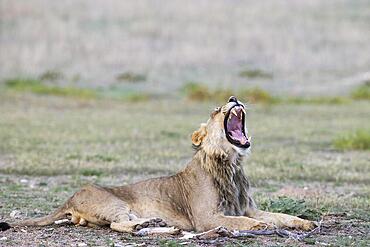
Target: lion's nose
[(233, 99)]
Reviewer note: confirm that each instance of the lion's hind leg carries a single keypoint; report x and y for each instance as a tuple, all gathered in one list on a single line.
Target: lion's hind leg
[(94, 205)]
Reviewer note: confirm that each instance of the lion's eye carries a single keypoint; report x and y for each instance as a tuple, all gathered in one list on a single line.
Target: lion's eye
[(215, 111)]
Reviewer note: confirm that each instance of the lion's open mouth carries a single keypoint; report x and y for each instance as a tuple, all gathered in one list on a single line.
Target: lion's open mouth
[(234, 127)]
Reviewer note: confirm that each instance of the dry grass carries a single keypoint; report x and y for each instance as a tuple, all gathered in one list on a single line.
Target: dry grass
[(51, 75), (200, 92), (41, 140), (131, 77), (255, 73), (362, 92), (357, 140), (51, 145), (37, 87), (115, 142)]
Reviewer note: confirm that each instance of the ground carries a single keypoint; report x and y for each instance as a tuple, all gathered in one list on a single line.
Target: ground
[(102, 54), (51, 146)]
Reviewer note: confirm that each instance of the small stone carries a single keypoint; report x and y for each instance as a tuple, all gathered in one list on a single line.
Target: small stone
[(4, 226), (81, 244), (58, 222), (158, 220), (37, 211), (24, 181), (15, 214), (162, 224), (3, 238)]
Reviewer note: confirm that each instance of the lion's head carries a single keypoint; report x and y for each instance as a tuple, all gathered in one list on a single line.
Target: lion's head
[(225, 131)]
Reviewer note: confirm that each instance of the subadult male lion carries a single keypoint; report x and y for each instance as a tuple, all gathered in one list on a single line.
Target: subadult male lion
[(210, 191)]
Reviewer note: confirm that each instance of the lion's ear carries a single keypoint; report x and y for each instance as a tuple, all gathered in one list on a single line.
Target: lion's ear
[(198, 135)]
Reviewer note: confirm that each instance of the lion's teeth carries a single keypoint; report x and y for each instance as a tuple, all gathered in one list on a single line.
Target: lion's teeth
[(244, 111), (233, 111)]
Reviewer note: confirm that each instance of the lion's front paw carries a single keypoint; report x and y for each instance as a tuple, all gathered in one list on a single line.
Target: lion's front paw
[(305, 225)]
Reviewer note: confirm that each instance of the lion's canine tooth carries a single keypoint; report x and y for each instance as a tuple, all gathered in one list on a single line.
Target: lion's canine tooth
[(233, 111), (244, 111)]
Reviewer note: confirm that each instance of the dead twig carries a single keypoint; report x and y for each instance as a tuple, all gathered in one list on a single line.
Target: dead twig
[(157, 231), (223, 232), (280, 232)]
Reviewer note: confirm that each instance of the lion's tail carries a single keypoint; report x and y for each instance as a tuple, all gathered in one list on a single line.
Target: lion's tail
[(41, 221)]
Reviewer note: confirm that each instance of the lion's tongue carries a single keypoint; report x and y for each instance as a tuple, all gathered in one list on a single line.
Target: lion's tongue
[(235, 129), (238, 135)]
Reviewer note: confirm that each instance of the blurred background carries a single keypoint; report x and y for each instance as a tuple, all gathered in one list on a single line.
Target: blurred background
[(296, 47), (109, 92)]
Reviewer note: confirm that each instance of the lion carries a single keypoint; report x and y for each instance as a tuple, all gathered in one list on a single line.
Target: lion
[(211, 191)]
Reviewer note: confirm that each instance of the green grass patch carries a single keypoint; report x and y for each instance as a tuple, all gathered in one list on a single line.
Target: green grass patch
[(136, 97), (37, 87), (61, 189), (101, 157), (170, 134), (360, 213), (350, 241), (131, 77), (197, 91), (90, 172), (291, 206), (51, 75), (169, 243), (255, 73), (258, 95), (15, 187), (358, 140), (93, 157), (200, 92), (362, 92)]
